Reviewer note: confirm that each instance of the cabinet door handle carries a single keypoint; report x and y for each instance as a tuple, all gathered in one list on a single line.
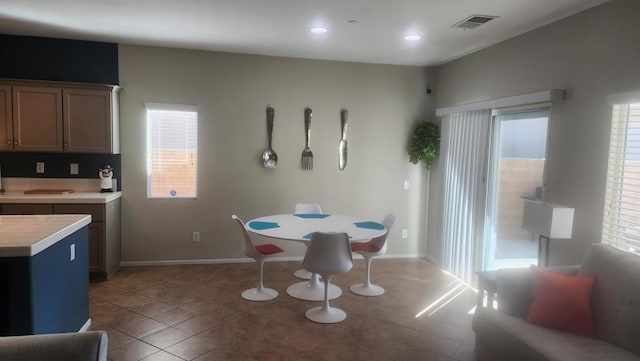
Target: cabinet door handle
[(15, 142), (9, 141)]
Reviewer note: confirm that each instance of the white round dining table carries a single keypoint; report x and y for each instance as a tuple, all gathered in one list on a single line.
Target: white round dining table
[(300, 228)]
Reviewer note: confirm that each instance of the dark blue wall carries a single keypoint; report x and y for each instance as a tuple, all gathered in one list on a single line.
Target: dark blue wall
[(56, 165), (26, 57)]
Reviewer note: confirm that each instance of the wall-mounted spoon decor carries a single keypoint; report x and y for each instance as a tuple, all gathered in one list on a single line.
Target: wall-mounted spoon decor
[(269, 156)]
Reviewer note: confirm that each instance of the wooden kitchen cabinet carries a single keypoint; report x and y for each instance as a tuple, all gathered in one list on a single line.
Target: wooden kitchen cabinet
[(37, 118), (90, 121), (6, 119), (104, 236), (104, 231), (59, 117), (27, 208)]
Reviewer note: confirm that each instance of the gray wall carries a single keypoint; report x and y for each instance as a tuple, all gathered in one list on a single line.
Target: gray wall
[(232, 91), (590, 55)]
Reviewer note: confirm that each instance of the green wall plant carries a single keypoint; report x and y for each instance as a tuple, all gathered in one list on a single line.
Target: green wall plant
[(425, 143)]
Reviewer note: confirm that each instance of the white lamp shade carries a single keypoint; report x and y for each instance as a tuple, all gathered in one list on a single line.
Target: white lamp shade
[(547, 219)]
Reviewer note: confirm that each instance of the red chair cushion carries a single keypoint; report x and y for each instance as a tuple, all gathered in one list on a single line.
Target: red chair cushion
[(562, 301), (267, 249), (364, 247)]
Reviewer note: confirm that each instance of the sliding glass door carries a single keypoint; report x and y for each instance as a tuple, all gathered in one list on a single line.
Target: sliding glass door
[(516, 161)]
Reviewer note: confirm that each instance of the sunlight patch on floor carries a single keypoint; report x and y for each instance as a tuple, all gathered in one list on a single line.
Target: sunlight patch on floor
[(454, 289)]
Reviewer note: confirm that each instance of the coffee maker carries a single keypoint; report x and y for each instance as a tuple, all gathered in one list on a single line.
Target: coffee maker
[(106, 173)]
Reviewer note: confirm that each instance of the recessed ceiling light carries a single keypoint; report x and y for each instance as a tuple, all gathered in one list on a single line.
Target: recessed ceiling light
[(318, 30), (413, 37)]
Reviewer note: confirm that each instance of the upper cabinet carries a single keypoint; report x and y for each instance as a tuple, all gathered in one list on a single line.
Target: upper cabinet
[(90, 121), (6, 122), (37, 118), (59, 117)]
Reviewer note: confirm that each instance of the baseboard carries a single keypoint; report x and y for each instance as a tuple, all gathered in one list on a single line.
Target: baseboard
[(242, 260)]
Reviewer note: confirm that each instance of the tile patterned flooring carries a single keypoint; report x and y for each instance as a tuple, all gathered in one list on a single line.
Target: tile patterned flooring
[(195, 312)]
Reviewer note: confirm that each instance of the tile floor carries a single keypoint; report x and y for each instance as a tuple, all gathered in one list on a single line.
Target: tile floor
[(195, 312)]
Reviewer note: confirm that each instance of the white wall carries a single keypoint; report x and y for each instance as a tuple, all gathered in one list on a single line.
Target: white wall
[(232, 91), (590, 55)]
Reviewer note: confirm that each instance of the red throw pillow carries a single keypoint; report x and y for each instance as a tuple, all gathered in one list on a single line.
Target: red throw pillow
[(562, 301)]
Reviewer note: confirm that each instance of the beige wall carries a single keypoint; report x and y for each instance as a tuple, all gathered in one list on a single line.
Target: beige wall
[(590, 55), (232, 91)]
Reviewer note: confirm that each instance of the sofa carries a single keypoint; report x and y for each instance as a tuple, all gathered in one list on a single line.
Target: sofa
[(81, 346), (506, 334)]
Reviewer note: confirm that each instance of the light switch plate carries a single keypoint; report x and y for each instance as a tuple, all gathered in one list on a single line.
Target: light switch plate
[(73, 168), (39, 167)]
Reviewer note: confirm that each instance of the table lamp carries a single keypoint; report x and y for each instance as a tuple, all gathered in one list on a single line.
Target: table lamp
[(549, 221)]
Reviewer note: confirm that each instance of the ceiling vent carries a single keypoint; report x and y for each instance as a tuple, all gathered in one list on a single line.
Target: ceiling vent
[(474, 21)]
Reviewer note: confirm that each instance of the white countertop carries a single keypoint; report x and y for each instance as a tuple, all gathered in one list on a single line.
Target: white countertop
[(76, 197), (28, 235)]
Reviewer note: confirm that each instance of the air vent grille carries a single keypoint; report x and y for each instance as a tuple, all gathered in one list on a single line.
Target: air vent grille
[(473, 21)]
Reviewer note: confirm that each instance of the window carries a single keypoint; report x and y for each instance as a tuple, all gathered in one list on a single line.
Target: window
[(172, 151), (621, 226)]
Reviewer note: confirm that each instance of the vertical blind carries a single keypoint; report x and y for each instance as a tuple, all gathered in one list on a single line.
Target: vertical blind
[(172, 151), (621, 225), (465, 137)]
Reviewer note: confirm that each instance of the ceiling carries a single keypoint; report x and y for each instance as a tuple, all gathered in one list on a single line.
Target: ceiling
[(368, 31)]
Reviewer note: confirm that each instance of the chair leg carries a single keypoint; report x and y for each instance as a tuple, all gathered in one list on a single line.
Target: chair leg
[(260, 286), (260, 293), (326, 306), (367, 288), (368, 281), (302, 273), (326, 313)]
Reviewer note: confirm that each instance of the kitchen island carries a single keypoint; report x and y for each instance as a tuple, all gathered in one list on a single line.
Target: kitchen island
[(44, 281)]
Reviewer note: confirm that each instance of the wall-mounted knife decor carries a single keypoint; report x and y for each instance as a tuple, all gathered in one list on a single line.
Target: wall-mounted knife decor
[(342, 146)]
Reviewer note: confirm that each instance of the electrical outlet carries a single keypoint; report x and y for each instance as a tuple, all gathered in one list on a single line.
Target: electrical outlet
[(73, 168), (405, 233), (39, 167), (72, 250), (195, 237)]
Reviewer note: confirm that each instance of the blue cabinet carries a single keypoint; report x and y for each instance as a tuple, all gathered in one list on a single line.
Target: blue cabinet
[(47, 292)]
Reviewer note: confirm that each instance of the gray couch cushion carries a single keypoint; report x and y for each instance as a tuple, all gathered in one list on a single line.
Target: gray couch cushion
[(83, 346), (517, 339), (615, 301)]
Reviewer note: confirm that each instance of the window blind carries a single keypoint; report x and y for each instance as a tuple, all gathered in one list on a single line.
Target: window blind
[(621, 225), (172, 151), (464, 143)]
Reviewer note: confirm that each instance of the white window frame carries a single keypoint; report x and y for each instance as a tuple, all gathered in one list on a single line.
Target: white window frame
[(621, 221), (169, 107)]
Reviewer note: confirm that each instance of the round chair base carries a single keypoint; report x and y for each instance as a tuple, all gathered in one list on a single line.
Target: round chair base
[(302, 274), (321, 315), (265, 295), (363, 290), (312, 292)]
